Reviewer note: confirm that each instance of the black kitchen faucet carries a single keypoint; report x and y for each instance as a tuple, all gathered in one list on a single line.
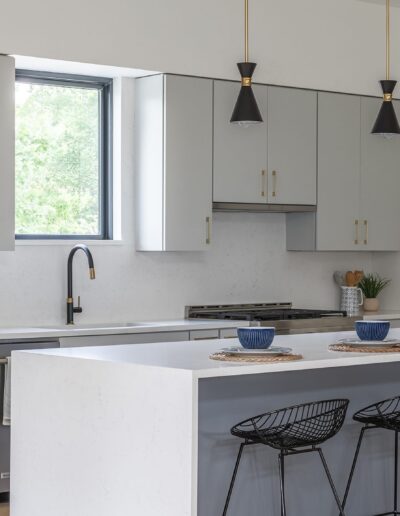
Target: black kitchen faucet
[(70, 300)]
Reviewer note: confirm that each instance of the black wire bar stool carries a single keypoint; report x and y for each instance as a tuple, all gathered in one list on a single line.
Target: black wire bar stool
[(386, 415), (292, 431)]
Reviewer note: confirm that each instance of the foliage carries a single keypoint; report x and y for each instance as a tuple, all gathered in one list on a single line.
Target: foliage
[(57, 160), (372, 284)]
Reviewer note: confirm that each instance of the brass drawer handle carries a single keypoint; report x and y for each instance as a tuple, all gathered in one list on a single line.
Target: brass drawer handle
[(208, 237), (274, 182), (262, 183), (356, 224), (366, 232)]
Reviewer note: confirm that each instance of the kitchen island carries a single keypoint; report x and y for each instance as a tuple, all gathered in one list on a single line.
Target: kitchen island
[(144, 430)]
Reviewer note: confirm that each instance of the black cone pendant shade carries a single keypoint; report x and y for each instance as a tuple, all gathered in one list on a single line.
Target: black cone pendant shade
[(386, 123), (246, 111)]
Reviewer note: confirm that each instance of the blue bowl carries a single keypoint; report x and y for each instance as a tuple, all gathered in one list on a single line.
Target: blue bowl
[(256, 337), (372, 330)]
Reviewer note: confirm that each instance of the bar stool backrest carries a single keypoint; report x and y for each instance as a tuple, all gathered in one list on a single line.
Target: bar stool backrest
[(316, 421)]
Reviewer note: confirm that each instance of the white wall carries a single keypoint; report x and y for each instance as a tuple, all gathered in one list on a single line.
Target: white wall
[(323, 44), (333, 45), (388, 266)]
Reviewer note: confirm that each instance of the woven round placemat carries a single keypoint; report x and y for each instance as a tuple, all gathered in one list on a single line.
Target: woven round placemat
[(254, 359), (365, 349)]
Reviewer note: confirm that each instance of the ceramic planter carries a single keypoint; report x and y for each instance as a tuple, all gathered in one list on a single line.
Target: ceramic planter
[(371, 304)]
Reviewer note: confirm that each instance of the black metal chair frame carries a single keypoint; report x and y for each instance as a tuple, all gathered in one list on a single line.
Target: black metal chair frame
[(366, 427), (286, 424)]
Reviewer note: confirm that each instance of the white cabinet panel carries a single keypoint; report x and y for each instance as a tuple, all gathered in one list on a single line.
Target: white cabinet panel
[(380, 183), (338, 171), (292, 146), (7, 153), (149, 162), (240, 154), (173, 135)]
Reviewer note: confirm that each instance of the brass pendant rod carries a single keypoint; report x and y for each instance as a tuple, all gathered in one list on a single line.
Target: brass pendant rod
[(246, 30), (387, 39)]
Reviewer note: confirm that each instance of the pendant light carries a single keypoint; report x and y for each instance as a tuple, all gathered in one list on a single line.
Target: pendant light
[(246, 111), (386, 124)]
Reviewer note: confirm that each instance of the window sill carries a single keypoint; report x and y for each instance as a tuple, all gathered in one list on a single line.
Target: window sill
[(68, 243)]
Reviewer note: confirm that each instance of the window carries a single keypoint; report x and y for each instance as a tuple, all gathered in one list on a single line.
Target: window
[(63, 156)]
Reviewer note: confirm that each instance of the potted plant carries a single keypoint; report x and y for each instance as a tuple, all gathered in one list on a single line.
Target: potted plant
[(371, 285)]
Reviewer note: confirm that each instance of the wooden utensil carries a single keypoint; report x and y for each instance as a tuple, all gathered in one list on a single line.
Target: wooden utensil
[(353, 278), (358, 276), (350, 279)]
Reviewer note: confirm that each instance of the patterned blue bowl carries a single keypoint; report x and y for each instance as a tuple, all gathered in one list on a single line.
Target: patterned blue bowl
[(256, 337), (372, 330)]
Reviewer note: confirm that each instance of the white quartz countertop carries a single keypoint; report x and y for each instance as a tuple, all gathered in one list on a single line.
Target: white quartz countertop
[(115, 328), (193, 357), (63, 330)]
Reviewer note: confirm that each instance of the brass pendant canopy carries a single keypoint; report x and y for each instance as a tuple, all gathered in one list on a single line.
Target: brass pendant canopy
[(246, 110), (386, 123)]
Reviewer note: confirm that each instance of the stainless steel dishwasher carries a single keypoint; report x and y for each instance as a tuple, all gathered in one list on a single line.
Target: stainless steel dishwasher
[(6, 347)]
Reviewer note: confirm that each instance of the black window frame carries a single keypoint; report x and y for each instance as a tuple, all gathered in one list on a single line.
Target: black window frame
[(105, 88)]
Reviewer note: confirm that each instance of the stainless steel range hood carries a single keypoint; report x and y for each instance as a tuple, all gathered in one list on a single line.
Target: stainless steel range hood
[(262, 208)]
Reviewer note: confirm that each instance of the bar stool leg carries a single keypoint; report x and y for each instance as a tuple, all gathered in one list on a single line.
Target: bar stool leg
[(353, 466), (335, 494), (282, 482), (228, 498), (396, 467)]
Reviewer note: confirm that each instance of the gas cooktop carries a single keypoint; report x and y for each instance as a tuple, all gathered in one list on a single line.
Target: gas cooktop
[(258, 312), (283, 316)]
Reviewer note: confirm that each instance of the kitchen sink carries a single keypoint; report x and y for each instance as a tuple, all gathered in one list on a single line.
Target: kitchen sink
[(99, 326)]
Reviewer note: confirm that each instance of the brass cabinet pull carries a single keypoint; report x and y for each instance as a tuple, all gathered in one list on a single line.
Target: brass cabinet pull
[(208, 223), (262, 183), (274, 181), (356, 224), (366, 232)]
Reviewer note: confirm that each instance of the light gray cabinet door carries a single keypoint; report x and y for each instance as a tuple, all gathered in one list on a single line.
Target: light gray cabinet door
[(7, 146), (173, 144), (240, 154), (187, 163), (338, 172), (380, 183), (292, 146)]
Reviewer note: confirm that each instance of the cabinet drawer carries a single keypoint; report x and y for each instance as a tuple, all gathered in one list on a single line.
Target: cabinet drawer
[(204, 334), (126, 338), (228, 333)]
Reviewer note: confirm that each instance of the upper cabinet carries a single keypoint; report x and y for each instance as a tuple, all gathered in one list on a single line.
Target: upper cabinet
[(292, 146), (189, 155), (7, 153), (269, 163), (380, 183), (338, 172), (173, 133), (358, 182), (240, 154)]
